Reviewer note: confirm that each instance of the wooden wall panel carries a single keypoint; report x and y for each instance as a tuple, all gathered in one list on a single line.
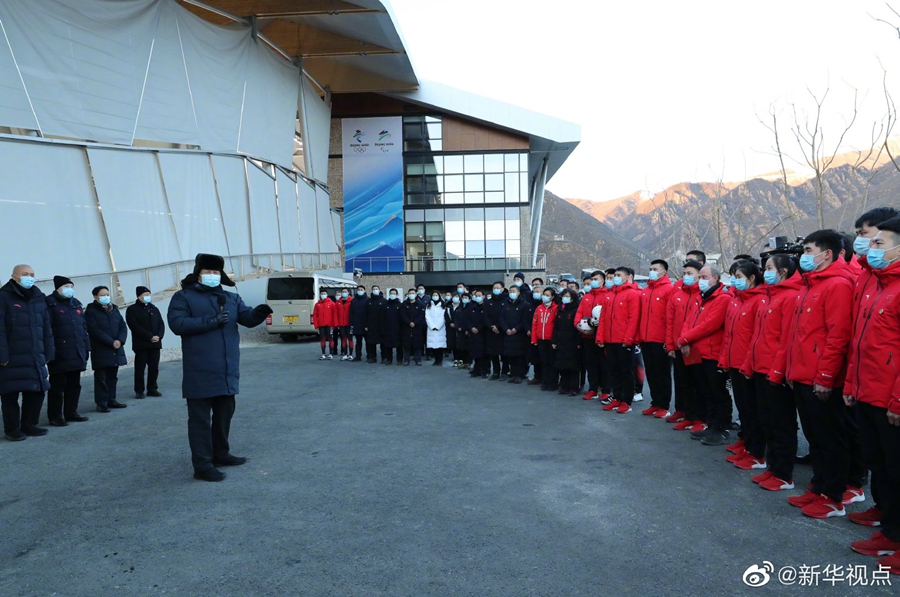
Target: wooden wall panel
[(463, 135)]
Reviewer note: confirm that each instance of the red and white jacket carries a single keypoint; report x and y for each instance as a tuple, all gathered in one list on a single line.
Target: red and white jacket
[(543, 322), (773, 316), (681, 301), (621, 316), (654, 303), (739, 319), (342, 312), (705, 326), (597, 296), (324, 313)]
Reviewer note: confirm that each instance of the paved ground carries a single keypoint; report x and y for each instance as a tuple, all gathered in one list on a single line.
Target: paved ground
[(402, 481)]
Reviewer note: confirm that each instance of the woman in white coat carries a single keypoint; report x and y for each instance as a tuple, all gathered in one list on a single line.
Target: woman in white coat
[(436, 338)]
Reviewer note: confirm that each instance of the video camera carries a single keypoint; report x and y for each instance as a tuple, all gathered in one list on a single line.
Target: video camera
[(780, 245)]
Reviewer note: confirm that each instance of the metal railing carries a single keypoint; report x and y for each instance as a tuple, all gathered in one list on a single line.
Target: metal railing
[(167, 276), (447, 264)]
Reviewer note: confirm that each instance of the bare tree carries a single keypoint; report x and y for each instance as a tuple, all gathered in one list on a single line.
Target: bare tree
[(785, 187)]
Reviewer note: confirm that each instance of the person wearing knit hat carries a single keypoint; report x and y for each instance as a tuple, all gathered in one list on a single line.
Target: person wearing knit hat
[(72, 348), (147, 330), (207, 318)]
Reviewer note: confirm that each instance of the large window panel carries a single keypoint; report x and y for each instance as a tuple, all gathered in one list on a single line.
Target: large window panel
[(288, 218), (434, 231), (130, 189), (456, 249), (309, 230), (494, 230), (512, 188), (474, 182), (493, 162), (453, 164), (495, 248), (231, 183), (493, 182), (512, 229), (453, 184), (512, 162), (475, 248), (512, 248), (263, 212), (473, 163), (455, 231), (48, 188)]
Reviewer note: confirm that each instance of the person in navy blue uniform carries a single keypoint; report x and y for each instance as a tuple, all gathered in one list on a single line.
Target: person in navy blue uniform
[(515, 324), (70, 336), (358, 309), (108, 332), (391, 339), (412, 324), (147, 331)]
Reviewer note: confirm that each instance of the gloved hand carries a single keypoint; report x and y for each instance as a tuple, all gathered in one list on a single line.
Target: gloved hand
[(222, 318), (264, 309)]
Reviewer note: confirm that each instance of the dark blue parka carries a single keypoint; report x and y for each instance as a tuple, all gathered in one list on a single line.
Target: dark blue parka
[(375, 319), (70, 335), (516, 315), (211, 356), (390, 324), (106, 325), (412, 312), (26, 340), (477, 319), (358, 309), (492, 309)]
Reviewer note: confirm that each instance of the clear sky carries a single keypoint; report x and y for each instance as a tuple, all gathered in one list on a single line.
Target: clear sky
[(664, 91)]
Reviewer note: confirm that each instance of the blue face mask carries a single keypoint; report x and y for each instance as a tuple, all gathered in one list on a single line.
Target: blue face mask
[(455, 300), (654, 275), (460, 290), (465, 301), (360, 293), (421, 292), (436, 298), (740, 283), (411, 296), (689, 280), (517, 283), (147, 298), (546, 299), (536, 296), (609, 283), (704, 285), (345, 294), (808, 262), (211, 280), (566, 300), (376, 292), (617, 281), (478, 299), (513, 296), (103, 300), (595, 283), (26, 282), (876, 258), (393, 297), (861, 246), (771, 277), (498, 291), (67, 292)]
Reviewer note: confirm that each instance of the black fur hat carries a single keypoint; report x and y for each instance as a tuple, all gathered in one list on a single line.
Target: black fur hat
[(214, 262)]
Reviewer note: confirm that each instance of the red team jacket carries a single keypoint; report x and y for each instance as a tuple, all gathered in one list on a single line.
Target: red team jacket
[(773, 316), (543, 321), (872, 374), (681, 301), (654, 301), (704, 327), (597, 296), (620, 316), (814, 349), (342, 312), (739, 319), (324, 314)]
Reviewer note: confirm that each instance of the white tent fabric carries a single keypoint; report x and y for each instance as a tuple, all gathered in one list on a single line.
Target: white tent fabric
[(288, 219), (309, 229), (133, 203), (269, 117), (263, 212), (47, 216), (15, 111), (231, 185), (316, 123), (327, 243), (193, 203)]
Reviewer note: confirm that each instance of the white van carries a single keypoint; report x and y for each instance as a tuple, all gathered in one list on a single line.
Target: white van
[(292, 296)]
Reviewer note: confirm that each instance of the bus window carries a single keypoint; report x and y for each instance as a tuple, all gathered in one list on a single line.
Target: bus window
[(290, 289)]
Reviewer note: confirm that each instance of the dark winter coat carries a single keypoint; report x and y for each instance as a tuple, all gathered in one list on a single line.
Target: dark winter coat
[(211, 355), (145, 321), (567, 338), (70, 335), (412, 312), (461, 319), (516, 316), (26, 340), (390, 325), (106, 325), (375, 319), (476, 319), (358, 309), (448, 319), (492, 310)]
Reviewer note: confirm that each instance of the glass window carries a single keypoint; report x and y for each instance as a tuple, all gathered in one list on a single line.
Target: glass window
[(472, 198), (455, 231), (512, 213), (438, 164), (414, 184), (474, 248), (434, 130), (434, 231), (415, 231), (434, 215), (414, 215), (430, 184), (523, 187), (429, 169), (493, 213), (453, 184), (512, 229), (414, 168), (474, 230), (495, 248), (456, 249), (436, 250), (455, 215), (418, 199), (413, 119), (493, 162), (512, 162), (493, 182), (453, 198), (474, 182), (493, 197), (512, 248), (475, 213), (453, 164), (415, 249), (432, 119), (474, 163), (436, 145), (494, 230), (512, 188), (286, 289)]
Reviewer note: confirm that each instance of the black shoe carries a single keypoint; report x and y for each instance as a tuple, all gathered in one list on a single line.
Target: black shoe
[(512, 379), (399, 363), (139, 395), (436, 364), (573, 392), (212, 475), (485, 376), (229, 460), (562, 391), (805, 459), (405, 363), (547, 389), (355, 359), (15, 435), (494, 377), (716, 438), (372, 361), (517, 380), (58, 422), (102, 408), (154, 394), (503, 377), (702, 434), (418, 363), (116, 404), (535, 382), (34, 431), (76, 418)]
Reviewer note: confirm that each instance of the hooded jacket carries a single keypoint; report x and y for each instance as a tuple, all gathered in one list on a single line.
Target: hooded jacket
[(70, 335), (543, 322), (704, 327), (342, 312), (864, 283), (682, 300), (26, 339), (356, 314), (815, 346), (873, 374), (325, 314), (621, 316), (654, 303), (773, 316), (740, 317), (597, 296), (374, 319)]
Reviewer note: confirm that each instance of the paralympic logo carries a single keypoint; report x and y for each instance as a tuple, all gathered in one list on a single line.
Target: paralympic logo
[(383, 134), (359, 135)]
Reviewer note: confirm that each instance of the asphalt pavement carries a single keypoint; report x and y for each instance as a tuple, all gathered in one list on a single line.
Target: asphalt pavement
[(396, 481)]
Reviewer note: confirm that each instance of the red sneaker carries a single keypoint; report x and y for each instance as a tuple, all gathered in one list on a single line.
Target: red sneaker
[(675, 417), (853, 495), (877, 545), (684, 425), (612, 405), (823, 507), (698, 426), (604, 397), (773, 483), (763, 477), (662, 414), (736, 447), (869, 518), (891, 562), (624, 408), (736, 457), (590, 395), (803, 500), (750, 462), (650, 412)]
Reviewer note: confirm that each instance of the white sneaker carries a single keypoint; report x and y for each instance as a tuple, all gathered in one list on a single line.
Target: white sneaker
[(323, 357), (637, 398), (345, 358), (330, 357)]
